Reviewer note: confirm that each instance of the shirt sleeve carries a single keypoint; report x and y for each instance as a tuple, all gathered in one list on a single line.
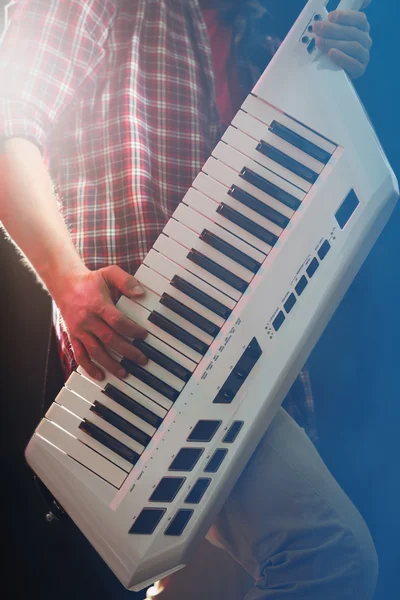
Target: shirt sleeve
[(48, 50)]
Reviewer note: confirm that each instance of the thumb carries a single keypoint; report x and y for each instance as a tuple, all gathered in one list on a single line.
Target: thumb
[(115, 277)]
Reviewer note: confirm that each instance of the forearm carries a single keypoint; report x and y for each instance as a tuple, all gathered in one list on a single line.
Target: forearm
[(30, 215)]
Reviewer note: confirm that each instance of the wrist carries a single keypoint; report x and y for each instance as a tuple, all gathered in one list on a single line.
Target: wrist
[(61, 274)]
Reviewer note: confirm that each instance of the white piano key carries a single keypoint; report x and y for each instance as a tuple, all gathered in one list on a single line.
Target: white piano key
[(151, 301), (258, 131), (126, 388), (160, 285), (191, 217), (267, 113), (91, 392), (81, 453), (141, 315), (248, 146), (69, 421), (236, 160), (172, 353), (228, 177), (190, 239), (208, 207), (168, 269), (217, 191), (79, 407), (177, 253)]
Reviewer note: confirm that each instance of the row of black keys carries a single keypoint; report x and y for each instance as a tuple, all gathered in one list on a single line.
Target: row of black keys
[(299, 142)]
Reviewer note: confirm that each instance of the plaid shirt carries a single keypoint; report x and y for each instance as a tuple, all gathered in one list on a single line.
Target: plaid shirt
[(121, 102)]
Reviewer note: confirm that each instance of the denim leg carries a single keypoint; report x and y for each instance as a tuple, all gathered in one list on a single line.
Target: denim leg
[(291, 526)]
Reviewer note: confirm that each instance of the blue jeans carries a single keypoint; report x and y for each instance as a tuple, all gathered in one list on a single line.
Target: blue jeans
[(288, 531)]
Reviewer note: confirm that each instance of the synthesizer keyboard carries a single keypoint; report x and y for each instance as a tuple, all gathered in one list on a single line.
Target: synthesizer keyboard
[(239, 287)]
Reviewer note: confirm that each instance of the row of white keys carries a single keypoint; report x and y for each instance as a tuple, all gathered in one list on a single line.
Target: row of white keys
[(151, 301), (248, 146), (227, 176), (123, 386), (258, 131), (140, 315), (218, 192), (79, 451), (155, 369), (138, 385), (190, 239), (209, 207), (170, 352), (237, 161), (158, 284), (69, 421), (192, 218), (167, 268), (93, 393), (178, 254), (83, 409), (267, 113)]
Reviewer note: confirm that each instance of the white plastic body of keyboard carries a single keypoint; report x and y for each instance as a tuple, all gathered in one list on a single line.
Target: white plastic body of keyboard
[(333, 191)]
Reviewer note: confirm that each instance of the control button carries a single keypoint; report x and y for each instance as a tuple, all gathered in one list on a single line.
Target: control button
[(300, 287), (216, 460), (204, 431), (186, 459), (238, 375), (147, 521), (167, 489), (198, 491), (233, 432), (290, 302), (179, 522), (278, 321), (323, 251), (312, 267)]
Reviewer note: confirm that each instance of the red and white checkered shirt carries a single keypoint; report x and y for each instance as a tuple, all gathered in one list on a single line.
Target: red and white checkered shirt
[(120, 98)]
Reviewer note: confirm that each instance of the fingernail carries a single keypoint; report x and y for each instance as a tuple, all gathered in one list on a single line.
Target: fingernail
[(143, 360), (137, 290), (122, 373), (333, 16), (99, 376)]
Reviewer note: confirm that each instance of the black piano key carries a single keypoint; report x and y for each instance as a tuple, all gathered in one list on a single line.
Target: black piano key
[(134, 407), (270, 188), (150, 379), (178, 332), (120, 423), (247, 224), (107, 440), (230, 251), (287, 161), (259, 207), (300, 142), (201, 297), (164, 361), (190, 315), (215, 269)]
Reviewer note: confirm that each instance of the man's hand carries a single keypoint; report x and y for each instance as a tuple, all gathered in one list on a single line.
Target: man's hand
[(345, 37), (94, 324)]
